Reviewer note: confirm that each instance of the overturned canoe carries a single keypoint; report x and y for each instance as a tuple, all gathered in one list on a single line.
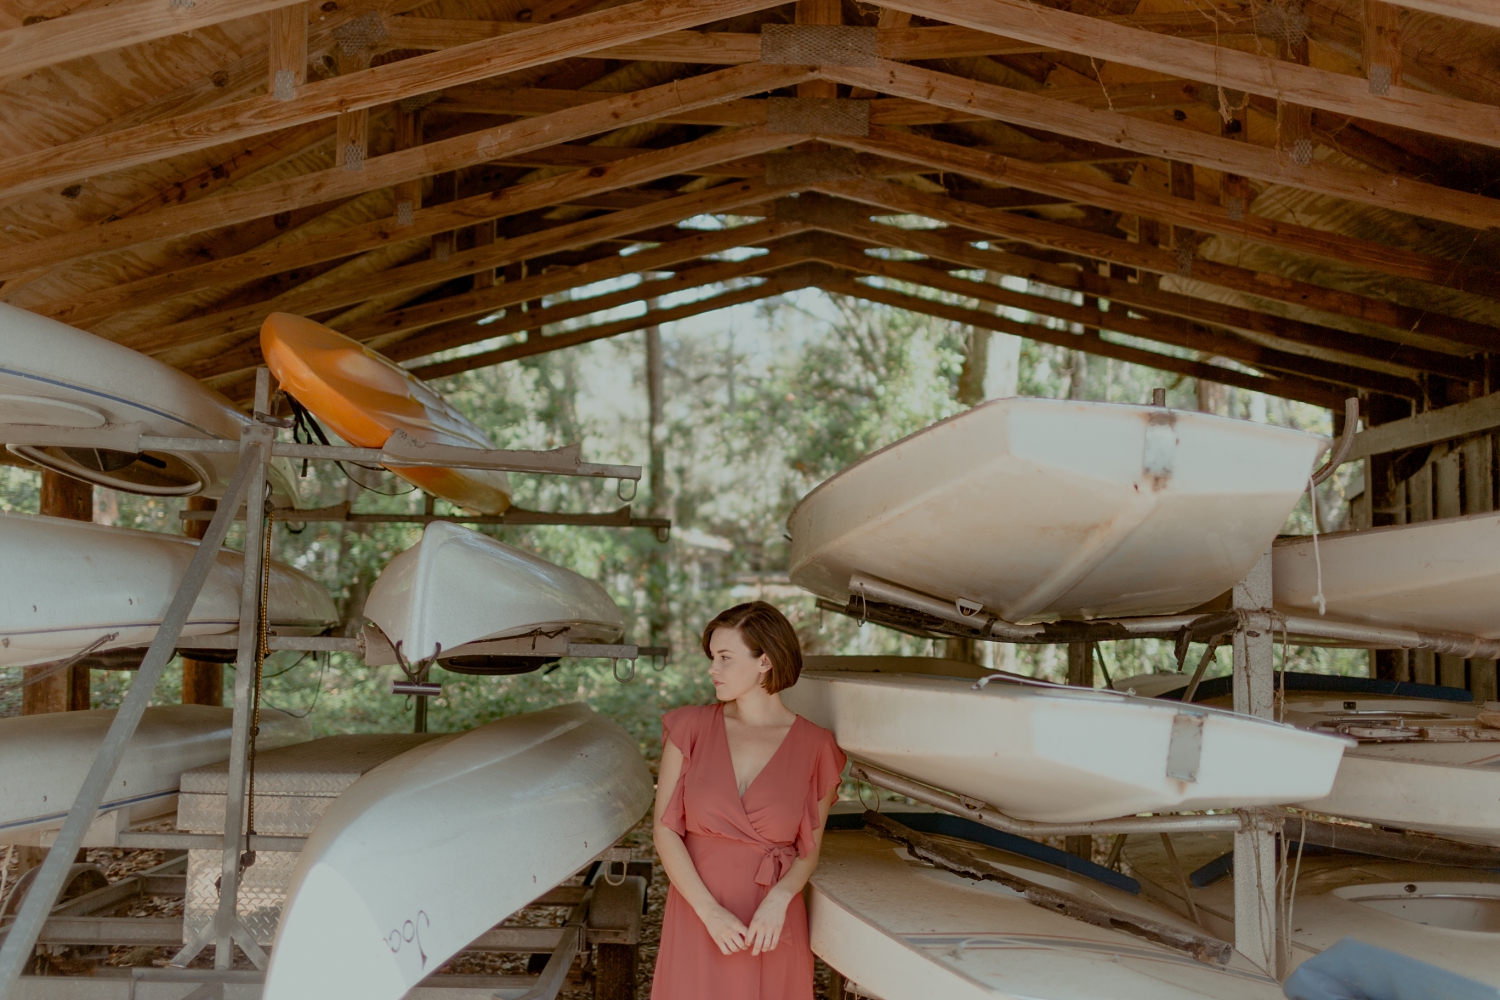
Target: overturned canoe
[(900, 929), (84, 583), (402, 872), (1440, 576), (364, 398), (55, 375), (457, 587), (44, 759), (1041, 509), (1052, 753), (1448, 917)]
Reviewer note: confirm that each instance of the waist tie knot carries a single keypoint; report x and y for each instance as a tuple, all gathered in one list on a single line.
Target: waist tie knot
[(774, 865)]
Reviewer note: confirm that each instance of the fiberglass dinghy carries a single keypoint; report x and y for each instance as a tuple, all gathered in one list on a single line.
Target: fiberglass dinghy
[(1053, 753), (1438, 576), (1424, 761), (429, 850), (365, 398), (55, 375), (44, 759), (901, 929), (473, 600), (69, 584), (1448, 917), (1041, 509)]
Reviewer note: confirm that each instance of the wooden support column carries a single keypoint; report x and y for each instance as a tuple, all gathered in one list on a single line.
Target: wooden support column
[(408, 193), (1184, 239), (202, 681), (1080, 674), (444, 189), (1294, 121), (287, 50), (819, 12), (1382, 46), (482, 235), (67, 690), (1234, 192), (1255, 845), (353, 146)]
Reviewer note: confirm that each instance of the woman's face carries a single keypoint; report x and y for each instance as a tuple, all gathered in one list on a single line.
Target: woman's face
[(734, 670)]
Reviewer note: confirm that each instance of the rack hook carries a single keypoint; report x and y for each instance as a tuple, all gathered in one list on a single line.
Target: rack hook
[(620, 489)]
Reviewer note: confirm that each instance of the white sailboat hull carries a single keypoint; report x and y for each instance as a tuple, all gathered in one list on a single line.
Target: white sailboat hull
[(44, 759), (1043, 509), (1433, 575), (57, 375), (903, 931), (1448, 917), (1058, 754), (457, 586), (426, 852), (70, 584)]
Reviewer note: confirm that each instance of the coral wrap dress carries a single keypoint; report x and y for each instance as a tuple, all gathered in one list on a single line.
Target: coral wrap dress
[(741, 847)]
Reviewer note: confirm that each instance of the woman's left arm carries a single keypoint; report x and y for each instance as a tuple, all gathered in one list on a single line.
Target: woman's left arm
[(765, 926)]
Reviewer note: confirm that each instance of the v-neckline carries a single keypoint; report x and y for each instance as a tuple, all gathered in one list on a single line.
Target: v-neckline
[(729, 754)]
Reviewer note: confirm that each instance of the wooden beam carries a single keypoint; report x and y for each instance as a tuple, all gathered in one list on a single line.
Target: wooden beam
[(789, 281), (419, 75), (1303, 390), (287, 50), (1067, 184), (1477, 416), (1170, 142), (425, 274), (1163, 331), (460, 151), (124, 23), (422, 222), (430, 327), (1220, 65), (1477, 11)]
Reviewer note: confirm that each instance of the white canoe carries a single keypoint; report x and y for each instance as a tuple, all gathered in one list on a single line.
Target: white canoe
[(429, 850), (1040, 509), (44, 759), (1052, 753), (57, 375), (1434, 575), (901, 930), (70, 583), (457, 587), (1448, 917)]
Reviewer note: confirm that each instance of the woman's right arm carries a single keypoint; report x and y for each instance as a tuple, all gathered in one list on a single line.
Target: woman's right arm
[(724, 927)]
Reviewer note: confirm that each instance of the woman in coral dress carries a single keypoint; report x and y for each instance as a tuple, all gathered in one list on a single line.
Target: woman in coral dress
[(744, 790)]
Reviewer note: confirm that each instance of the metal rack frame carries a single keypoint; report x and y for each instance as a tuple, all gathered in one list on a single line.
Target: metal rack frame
[(256, 448)]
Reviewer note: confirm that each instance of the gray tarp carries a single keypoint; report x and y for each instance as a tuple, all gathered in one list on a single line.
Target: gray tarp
[(1353, 970)]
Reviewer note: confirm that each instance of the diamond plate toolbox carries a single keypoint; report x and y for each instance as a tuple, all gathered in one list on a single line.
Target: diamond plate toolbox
[(294, 785)]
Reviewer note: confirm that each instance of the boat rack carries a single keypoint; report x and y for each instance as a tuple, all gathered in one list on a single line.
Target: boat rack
[(245, 497), (341, 514)]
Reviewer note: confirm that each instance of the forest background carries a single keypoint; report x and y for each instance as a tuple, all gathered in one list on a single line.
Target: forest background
[(735, 416)]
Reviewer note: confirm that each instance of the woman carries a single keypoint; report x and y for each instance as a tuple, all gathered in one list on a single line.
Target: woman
[(741, 798)]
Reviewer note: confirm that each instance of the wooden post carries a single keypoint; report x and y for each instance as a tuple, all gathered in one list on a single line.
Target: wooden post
[(1080, 674), (819, 12), (67, 691), (444, 190), (1382, 46), (408, 194), (287, 50), (1255, 845), (1183, 238), (353, 126), (202, 681)]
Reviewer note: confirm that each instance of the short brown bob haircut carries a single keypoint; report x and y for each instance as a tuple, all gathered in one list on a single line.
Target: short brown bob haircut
[(766, 632)]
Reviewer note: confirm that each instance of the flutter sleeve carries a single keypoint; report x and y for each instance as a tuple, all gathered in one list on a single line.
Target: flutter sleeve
[(827, 768), (680, 727)]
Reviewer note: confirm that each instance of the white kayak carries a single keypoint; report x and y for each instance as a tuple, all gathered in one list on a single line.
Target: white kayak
[(429, 850), (70, 584), (44, 759), (1448, 917), (899, 929), (457, 587), (1424, 760), (57, 375), (1441, 576), (1051, 753), (1041, 509)]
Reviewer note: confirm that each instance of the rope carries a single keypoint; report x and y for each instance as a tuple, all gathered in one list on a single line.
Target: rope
[(59, 667)]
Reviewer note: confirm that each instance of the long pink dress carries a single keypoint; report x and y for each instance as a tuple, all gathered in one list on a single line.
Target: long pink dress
[(741, 847)]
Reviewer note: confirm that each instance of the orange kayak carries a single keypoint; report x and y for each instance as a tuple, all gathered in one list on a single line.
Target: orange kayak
[(364, 398)]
